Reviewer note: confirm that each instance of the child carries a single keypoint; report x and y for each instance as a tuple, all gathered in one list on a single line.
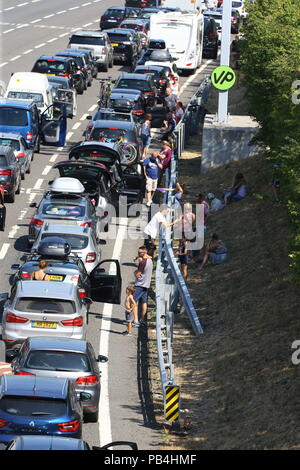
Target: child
[(130, 308), (183, 257)]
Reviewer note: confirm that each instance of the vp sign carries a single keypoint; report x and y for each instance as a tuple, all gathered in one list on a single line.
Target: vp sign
[(223, 78)]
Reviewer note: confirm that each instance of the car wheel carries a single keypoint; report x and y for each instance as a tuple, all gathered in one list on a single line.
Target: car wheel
[(105, 67), (111, 63), (23, 175), (19, 187), (38, 147), (11, 198), (92, 418), (215, 54)]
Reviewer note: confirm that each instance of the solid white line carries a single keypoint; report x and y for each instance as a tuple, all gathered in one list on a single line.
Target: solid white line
[(46, 170), (27, 52), (4, 250), (105, 433), (15, 58), (40, 45), (92, 108), (38, 184), (36, 21), (76, 126)]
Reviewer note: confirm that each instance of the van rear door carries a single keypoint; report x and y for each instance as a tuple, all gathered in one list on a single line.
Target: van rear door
[(53, 129)]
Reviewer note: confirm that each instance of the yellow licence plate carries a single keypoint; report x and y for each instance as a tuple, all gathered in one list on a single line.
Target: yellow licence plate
[(114, 44), (44, 324), (50, 74), (55, 278)]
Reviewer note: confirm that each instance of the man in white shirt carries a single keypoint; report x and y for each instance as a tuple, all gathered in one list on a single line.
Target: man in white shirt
[(152, 229)]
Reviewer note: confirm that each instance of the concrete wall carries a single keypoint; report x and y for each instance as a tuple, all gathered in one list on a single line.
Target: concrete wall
[(223, 143)]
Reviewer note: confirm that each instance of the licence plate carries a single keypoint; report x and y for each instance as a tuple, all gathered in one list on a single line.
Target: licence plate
[(114, 44), (55, 278), (50, 74), (43, 324)]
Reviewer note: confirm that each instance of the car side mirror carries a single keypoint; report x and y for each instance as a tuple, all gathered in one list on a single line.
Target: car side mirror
[(102, 358), (4, 296), (33, 204), (89, 118), (15, 266), (11, 354)]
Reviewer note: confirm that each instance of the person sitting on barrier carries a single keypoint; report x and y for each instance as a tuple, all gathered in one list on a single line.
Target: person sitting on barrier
[(183, 257), (215, 251), (179, 112), (238, 190)]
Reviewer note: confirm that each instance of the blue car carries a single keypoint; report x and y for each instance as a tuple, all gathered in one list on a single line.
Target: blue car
[(31, 405)]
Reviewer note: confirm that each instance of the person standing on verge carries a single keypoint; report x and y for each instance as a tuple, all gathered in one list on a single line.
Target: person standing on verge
[(152, 166), (143, 276), (146, 135), (130, 307)]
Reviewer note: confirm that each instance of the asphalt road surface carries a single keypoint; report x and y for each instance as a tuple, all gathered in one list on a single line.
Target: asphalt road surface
[(29, 29)]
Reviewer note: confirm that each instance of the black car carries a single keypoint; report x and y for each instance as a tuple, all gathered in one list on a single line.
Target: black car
[(89, 58), (82, 65), (128, 101), (159, 75), (61, 66), (125, 45), (10, 173), (154, 44), (112, 130), (145, 13), (210, 38), (142, 3), (113, 17), (135, 81)]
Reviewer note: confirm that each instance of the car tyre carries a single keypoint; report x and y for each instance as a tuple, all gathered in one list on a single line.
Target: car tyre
[(11, 198), (38, 147), (92, 417), (18, 190), (28, 170), (23, 175), (111, 64), (105, 67)]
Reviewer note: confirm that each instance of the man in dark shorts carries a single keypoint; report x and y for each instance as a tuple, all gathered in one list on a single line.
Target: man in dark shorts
[(143, 276)]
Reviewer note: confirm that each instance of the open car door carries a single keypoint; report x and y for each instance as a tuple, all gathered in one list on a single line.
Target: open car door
[(68, 97), (53, 125), (106, 285), (135, 182)]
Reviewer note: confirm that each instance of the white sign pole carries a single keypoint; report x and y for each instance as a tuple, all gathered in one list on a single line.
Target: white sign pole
[(225, 58)]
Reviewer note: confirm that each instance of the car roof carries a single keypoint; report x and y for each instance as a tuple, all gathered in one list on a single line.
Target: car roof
[(53, 57), (88, 33), (37, 442), (22, 104), (128, 125), (134, 76), (119, 31), (46, 289), (127, 91), (49, 342), (115, 8), (49, 228), (69, 53), (108, 145), (27, 385), (10, 135)]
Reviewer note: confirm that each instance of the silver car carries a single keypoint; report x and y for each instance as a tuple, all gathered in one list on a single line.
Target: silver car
[(82, 241), (99, 41), (62, 358), (39, 308), (22, 152)]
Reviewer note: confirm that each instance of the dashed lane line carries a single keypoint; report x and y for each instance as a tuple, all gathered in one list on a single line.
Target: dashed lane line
[(13, 231), (69, 135), (4, 250), (36, 21), (78, 124), (15, 58), (53, 158), (38, 184), (92, 108), (27, 52), (46, 170), (40, 45)]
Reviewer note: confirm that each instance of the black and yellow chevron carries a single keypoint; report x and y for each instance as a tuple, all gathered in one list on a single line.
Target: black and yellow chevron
[(172, 402)]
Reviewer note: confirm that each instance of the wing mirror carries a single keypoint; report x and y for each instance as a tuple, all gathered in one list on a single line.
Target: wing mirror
[(11, 354), (89, 117), (87, 300), (102, 358), (15, 266)]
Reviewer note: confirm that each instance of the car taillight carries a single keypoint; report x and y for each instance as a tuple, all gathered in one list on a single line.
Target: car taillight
[(139, 112), (12, 318), (36, 222), (29, 136), (162, 82), (6, 172), (88, 380), (90, 257), (65, 74), (71, 426), (3, 422), (22, 372), (84, 70), (75, 279), (86, 224), (25, 275), (120, 18), (103, 50), (20, 155), (82, 293), (150, 93), (211, 36), (78, 321)]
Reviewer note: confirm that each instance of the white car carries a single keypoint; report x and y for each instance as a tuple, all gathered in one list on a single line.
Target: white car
[(239, 5)]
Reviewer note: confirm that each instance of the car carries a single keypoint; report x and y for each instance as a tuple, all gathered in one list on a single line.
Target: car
[(62, 92), (217, 15), (39, 405), (145, 13), (154, 44), (44, 356), (129, 101), (57, 205), (114, 16), (140, 26), (82, 65), (10, 173), (89, 58), (61, 66), (42, 307), (105, 130), (107, 114), (142, 3), (135, 81), (21, 150), (125, 45), (82, 241), (65, 267), (100, 44), (63, 443), (160, 75), (210, 38)]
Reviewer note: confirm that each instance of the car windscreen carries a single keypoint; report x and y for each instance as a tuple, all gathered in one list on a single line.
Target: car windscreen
[(114, 37), (134, 84), (112, 117), (49, 66), (102, 134), (63, 210), (13, 117), (93, 41), (32, 406), (77, 242), (136, 27), (66, 361), (113, 12), (24, 95), (45, 305), (13, 143)]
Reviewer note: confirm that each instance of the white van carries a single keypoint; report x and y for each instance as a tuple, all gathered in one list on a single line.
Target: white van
[(30, 86), (183, 35)]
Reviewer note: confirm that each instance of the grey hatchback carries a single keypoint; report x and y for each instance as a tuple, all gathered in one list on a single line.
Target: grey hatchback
[(10, 173), (62, 358)]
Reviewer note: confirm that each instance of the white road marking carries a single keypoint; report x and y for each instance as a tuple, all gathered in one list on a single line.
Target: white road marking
[(27, 52), (12, 233), (40, 45), (105, 422), (21, 4), (31, 197), (69, 135), (87, 24), (38, 184), (15, 58), (192, 77), (10, 8), (92, 108), (76, 126), (73, 8), (53, 39), (3, 63), (63, 34), (8, 30), (22, 214), (49, 16), (4, 250), (85, 4), (60, 12), (36, 21), (83, 117), (22, 26), (53, 158), (46, 170)]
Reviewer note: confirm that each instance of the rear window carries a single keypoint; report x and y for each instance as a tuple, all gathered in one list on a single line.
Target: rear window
[(95, 41), (13, 117), (134, 84), (136, 27), (112, 117), (153, 73), (14, 144), (32, 406), (44, 305), (109, 133), (157, 44), (113, 12), (23, 95), (63, 210), (118, 37), (48, 66), (77, 242), (58, 361)]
